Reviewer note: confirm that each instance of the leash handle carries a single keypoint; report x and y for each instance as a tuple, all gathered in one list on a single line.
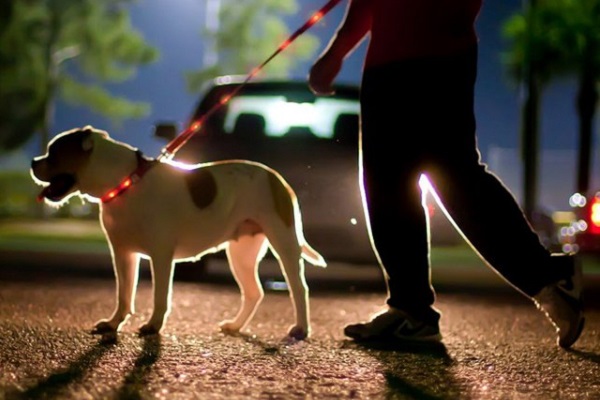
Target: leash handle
[(172, 147)]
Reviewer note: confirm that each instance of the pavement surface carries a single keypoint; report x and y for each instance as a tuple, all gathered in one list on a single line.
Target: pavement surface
[(496, 346)]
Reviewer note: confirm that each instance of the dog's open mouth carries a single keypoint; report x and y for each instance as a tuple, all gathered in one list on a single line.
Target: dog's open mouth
[(59, 186)]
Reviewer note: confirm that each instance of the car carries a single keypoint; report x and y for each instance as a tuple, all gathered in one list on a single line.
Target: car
[(582, 234), (311, 140)]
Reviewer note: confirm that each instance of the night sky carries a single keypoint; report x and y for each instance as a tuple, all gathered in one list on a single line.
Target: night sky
[(174, 27)]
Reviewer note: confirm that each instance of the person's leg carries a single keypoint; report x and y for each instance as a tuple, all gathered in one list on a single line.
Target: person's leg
[(486, 212), (483, 208), (399, 232), (391, 154)]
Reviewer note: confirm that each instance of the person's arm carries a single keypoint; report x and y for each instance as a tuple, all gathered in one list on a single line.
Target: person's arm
[(353, 29)]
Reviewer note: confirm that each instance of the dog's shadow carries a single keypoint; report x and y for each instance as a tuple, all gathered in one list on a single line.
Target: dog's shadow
[(413, 370), (266, 346), (76, 371), (136, 380), (55, 385)]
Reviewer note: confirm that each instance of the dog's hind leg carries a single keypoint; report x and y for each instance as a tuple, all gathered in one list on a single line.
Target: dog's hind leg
[(244, 254), (285, 245), (126, 266)]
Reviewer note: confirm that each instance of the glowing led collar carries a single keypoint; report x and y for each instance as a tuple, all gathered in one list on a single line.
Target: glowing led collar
[(144, 165)]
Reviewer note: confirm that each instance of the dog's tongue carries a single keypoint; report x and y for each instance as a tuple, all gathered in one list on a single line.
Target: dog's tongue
[(45, 193)]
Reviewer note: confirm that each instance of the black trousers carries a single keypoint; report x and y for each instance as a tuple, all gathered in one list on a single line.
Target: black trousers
[(417, 117)]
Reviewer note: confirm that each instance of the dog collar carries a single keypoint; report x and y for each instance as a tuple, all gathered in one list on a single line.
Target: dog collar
[(144, 165)]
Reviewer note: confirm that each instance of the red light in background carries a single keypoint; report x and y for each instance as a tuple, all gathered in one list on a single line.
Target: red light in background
[(594, 226), (430, 210)]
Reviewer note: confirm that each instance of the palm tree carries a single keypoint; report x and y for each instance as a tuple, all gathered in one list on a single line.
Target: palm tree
[(560, 38)]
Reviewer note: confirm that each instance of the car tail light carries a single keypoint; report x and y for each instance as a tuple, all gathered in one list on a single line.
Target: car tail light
[(594, 216)]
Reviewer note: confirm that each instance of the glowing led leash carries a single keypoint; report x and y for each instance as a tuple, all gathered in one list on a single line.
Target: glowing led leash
[(173, 146)]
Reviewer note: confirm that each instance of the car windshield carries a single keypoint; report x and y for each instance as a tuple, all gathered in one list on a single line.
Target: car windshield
[(282, 110), (282, 117)]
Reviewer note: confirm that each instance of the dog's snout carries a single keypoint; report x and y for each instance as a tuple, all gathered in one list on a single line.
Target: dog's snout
[(38, 169), (37, 162)]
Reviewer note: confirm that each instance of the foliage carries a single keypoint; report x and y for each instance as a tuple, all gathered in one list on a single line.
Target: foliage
[(557, 36), (248, 34), (18, 195), (64, 48)]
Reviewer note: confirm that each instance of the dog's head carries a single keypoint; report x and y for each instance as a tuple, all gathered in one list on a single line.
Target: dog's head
[(60, 169)]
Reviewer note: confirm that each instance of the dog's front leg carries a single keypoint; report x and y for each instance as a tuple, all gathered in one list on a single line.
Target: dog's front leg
[(126, 267), (162, 279)]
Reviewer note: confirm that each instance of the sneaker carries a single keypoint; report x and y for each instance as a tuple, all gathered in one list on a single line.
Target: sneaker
[(562, 304), (396, 325)]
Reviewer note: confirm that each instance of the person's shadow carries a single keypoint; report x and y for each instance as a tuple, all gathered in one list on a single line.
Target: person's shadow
[(414, 370)]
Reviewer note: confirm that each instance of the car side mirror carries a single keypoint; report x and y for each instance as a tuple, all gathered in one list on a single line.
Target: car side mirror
[(165, 130)]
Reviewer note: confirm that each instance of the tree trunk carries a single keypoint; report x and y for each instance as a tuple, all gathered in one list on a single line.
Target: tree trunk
[(51, 84), (530, 121), (587, 100), (530, 144)]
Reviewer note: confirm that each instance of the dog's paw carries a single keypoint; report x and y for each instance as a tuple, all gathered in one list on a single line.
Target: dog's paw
[(229, 326), (147, 330), (298, 333), (103, 327)]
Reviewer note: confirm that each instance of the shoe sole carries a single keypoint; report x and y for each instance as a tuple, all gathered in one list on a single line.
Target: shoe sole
[(420, 339), (394, 338), (565, 344), (574, 297)]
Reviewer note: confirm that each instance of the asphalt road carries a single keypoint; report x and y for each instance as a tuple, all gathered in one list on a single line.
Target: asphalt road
[(496, 346)]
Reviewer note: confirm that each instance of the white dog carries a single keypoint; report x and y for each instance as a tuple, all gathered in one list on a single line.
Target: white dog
[(171, 212)]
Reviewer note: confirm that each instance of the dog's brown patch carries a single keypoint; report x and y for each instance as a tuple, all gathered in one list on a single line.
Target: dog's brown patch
[(202, 186), (282, 200)]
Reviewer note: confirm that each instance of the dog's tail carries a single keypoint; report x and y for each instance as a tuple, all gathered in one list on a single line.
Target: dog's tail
[(312, 256)]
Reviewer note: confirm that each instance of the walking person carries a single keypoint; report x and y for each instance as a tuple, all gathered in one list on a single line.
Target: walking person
[(417, 117)]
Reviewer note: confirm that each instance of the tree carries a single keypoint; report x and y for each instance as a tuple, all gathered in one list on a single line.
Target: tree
[(64, 49), (561, 38), (249, 32), (527, 72)]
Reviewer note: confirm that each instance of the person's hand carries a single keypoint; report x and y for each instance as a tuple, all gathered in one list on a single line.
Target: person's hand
[(323, 73)]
